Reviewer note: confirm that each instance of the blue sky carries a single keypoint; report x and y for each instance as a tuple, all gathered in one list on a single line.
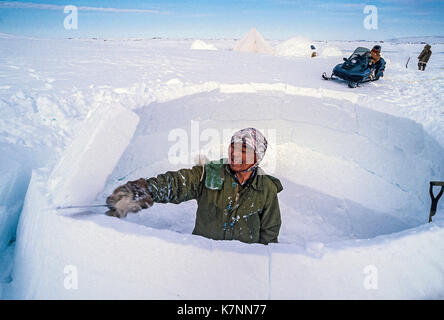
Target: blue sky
[(274, 19)]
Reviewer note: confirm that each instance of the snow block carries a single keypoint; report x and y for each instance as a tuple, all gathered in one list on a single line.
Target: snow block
[(379, 268), (399, 172), (85, 165), (398, 155), (252, 109), (388, 130), (318, 112)]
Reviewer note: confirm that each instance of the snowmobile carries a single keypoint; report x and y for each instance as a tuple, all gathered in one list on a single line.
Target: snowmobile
[(354, 70)]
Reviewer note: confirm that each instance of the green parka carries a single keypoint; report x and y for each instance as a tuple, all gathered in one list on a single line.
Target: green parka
[(425, 54), (226, 210)]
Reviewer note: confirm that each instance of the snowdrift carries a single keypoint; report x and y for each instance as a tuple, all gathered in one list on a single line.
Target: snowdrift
[(201, 45), (294, 47)]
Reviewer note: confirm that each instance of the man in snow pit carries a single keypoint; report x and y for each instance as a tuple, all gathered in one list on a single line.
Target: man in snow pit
[(236, 199), (424, 57), (376, 63)]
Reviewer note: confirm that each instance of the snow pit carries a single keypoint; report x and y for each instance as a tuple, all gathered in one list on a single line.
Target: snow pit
[(355, 197), (324, 218), (399, 159)]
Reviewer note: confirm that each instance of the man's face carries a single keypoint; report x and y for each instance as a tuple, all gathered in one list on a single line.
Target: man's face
[(241, 157), (376, 55)]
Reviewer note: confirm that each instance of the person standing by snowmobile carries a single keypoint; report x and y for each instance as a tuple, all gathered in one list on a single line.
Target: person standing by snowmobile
[(424, 57), (376, 63), (236, 199)]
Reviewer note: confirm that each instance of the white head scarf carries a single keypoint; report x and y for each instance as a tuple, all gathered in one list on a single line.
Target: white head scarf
[(254, 139)]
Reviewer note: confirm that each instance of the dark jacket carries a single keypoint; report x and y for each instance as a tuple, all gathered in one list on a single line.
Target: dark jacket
[(226, 210), (379, 68), (425, 54)]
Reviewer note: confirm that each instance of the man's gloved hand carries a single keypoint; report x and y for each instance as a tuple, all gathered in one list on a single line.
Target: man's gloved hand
[(130, 197)]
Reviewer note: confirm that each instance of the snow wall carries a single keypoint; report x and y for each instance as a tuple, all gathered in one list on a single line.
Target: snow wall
[(16, 164), (15, 176), (134, 262), (15, 173), (116, 259)]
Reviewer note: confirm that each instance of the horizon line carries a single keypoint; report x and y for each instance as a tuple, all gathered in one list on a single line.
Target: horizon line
[(198, 38), (44, 6)]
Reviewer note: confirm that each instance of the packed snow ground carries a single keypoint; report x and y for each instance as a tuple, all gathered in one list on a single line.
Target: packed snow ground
[(355, 166)]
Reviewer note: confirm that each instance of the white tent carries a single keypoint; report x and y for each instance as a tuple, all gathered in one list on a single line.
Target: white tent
[(254, 42)]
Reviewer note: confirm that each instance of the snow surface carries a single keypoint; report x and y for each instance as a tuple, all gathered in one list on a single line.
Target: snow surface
[(331, 52), (355, 166), (418, 39)]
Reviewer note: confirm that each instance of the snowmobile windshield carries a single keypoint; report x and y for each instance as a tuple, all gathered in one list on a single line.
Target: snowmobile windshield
[(359, 52), (357, 62)]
